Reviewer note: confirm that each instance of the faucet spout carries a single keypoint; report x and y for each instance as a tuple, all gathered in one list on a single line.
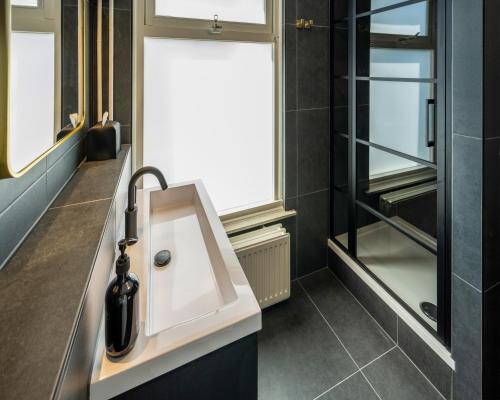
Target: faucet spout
[(131, 211)]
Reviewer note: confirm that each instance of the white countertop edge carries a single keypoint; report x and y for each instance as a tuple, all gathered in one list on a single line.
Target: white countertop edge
[(138, 375)]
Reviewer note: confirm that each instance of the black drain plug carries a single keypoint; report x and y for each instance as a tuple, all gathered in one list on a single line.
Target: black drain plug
[(162, 258), (429, 309)]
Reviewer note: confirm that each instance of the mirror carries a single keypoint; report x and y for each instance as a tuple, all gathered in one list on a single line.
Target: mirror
[(42, 95)]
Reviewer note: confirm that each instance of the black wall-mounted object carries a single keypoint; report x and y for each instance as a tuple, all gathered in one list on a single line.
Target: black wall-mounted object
[(103, 142)]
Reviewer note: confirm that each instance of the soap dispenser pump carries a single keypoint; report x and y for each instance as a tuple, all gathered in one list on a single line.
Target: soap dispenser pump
[(122, 308)]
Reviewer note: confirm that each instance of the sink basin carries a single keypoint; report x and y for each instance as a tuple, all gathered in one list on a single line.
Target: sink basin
[(195, 283), (199, 302)]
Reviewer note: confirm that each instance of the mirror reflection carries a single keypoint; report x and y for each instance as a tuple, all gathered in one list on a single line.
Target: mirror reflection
[(43, 110)]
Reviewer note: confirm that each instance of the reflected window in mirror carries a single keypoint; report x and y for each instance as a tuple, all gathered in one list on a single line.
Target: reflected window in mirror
[(45, 78)]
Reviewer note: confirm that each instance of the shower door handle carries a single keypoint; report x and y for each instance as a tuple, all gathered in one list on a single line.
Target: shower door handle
[(430, 123)]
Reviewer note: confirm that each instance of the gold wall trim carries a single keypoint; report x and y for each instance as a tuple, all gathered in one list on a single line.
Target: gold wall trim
[(6, 170)]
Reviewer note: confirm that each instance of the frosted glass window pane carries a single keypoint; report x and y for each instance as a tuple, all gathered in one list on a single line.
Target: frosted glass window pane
[(398, 63), (24, 3), (31, 96), (408, 20), (209, 115), (251, 11)]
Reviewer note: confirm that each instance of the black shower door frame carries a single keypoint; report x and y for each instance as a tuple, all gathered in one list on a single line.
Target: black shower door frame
[(442, 163)]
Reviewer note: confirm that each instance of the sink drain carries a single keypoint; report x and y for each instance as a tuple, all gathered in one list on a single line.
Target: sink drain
[(162, 258), (429, 309)]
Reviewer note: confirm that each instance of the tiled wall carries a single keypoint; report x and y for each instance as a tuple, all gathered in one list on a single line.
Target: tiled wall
[(23, 200), (122, 96), (476, 198), (123, 68), (307, 131), (467, 197)]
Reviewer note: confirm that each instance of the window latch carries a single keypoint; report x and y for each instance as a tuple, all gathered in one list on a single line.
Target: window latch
[(304, 24), (216, 27)]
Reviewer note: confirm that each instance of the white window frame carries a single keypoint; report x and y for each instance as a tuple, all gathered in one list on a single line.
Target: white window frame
[(147, 24)]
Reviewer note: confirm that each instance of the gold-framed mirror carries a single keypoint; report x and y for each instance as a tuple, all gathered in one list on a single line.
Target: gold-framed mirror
[(42, 79)]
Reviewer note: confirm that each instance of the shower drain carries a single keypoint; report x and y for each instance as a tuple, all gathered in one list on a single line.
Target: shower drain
[(429, 309)]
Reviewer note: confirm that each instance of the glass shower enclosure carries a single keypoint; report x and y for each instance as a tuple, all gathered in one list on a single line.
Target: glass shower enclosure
[(389, 149)]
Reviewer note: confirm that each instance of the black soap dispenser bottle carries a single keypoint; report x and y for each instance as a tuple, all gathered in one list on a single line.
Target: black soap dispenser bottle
[(122, 308)]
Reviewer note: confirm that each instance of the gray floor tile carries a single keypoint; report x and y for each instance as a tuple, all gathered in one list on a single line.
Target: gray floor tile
[(354, 388), (299, 357), (438, 372), (358, 331), (384, 315), (394, 377)]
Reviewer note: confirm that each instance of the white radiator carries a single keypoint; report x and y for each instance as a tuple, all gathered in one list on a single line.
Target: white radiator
[(264, 255)]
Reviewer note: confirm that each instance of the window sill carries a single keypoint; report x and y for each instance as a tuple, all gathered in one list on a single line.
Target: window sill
[(238, 222)]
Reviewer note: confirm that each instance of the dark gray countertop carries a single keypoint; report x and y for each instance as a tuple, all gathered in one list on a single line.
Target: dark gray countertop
[(42, 286)]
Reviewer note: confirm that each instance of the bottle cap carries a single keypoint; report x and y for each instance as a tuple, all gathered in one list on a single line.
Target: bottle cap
[(123, 262)]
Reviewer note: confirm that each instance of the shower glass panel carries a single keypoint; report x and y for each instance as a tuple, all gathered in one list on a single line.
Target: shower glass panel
[(409, 20), (388, 149), (397, 115), (408, 269), (367, 5), (399, 189)]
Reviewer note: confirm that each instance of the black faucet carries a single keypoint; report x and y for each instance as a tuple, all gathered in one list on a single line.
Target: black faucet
[(131, 211)]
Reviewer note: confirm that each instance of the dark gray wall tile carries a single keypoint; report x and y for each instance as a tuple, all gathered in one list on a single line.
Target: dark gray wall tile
[(61, 150), (467, 49), (466, 340), (384, 315), (290, 11), (286, 357), (360, 334), (123, 5), (436, 370), (354, 388), (20, 217), (312, 224), (291, 227), (393, 376), (313, 68), (11, 189), (291, 155), (290, 50), (125, 134), (63, 169), (317, 10), (313, 131), (123, 75), (467, 215)]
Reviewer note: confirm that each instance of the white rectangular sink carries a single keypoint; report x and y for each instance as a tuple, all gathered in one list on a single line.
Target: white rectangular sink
[(199, 302), (195, 283)]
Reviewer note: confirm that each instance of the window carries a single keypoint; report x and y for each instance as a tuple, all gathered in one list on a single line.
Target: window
[(24, 3), (207, 97)]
